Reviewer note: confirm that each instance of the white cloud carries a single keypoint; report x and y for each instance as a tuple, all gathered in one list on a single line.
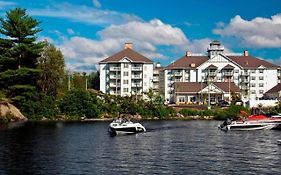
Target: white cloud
[(97, 3), (6, 3), (154, 32), (70, 31), (84, 14), (145, 36), (258, 32)]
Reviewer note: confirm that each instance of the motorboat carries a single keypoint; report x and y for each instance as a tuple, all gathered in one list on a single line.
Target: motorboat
[(256, 121), (122, 126), (246, 126)]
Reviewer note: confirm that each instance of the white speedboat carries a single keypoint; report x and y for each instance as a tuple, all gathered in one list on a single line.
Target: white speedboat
[(247, 126), (124, 126)]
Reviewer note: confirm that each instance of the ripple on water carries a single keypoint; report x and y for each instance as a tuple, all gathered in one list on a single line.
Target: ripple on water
[(169, 147)]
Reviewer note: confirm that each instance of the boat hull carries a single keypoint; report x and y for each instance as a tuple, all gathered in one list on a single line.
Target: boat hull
[(249, 127), (125, 128)]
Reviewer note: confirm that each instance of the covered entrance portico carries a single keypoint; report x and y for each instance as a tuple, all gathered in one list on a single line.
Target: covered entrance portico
[(189, 92)]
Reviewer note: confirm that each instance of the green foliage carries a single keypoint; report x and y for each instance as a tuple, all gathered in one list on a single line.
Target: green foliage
[(38, 105), (81, 104), (51, 64), (20, 44), (232, 112)]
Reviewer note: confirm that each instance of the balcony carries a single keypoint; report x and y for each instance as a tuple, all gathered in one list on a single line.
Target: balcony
[(245, 80), (245, 74), (115, 68), (155, 79), (243, 87), (228, 74), (136, 85), (136, 68), (212, 74), (177, 74), (113, 76), (115, 85), (136, 76)]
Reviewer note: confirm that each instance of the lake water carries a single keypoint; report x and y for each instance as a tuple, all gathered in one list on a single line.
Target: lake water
[(169, 147)]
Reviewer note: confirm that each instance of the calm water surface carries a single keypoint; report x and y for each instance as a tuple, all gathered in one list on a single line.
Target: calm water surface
[(169, 147)]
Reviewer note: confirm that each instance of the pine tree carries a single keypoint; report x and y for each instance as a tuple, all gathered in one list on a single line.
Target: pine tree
[(19, 52)]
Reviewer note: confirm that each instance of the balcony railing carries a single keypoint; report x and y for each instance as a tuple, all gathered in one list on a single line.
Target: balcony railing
[(228, 73), (177, 73), (136, 85), (136, 68), (114, 76), (212, 74), (115, 84), (245, 87), (245, 74), (155, 79), (113, 68), (136, 76)]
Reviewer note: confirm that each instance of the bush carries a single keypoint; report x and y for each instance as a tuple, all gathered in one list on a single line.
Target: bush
[(232, 112), (80, 103), (38, 105)]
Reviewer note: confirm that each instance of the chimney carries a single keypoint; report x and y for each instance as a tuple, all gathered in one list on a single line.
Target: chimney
[(128, 46), (246, 53), (188, 53)]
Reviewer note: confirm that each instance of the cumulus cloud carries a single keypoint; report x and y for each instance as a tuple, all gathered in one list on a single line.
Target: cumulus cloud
[(154, 31), (145, 36), (83, 14), (97, 3), (258, 32)]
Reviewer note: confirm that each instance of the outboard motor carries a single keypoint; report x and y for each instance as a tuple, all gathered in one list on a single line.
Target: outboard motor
[(224, 124)]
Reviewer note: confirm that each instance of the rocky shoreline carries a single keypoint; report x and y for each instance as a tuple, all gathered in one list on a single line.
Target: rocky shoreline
[(9, 113)]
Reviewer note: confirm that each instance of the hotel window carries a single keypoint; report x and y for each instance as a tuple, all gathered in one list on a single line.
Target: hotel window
[(126, 89), (253, 78), (260, 78), (126, 74), (260, 91), (126, 65), (253, 85), (126, 81), (235, 78), (253, 92), (181, 99), (253, 71), (261, 85), (261, 71), (236, 71)]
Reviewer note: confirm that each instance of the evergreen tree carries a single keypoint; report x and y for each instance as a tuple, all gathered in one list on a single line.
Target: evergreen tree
[(18, 53)]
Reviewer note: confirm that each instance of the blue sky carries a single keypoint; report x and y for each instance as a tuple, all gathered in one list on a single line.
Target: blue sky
[(90, 30)]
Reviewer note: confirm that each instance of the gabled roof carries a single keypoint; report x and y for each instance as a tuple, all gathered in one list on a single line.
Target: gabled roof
[(188, 62), (189, 87), (228, 67), (195, 87), (275, 89), (226, 86), (212, 67), (251, 62), (129, 53)]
